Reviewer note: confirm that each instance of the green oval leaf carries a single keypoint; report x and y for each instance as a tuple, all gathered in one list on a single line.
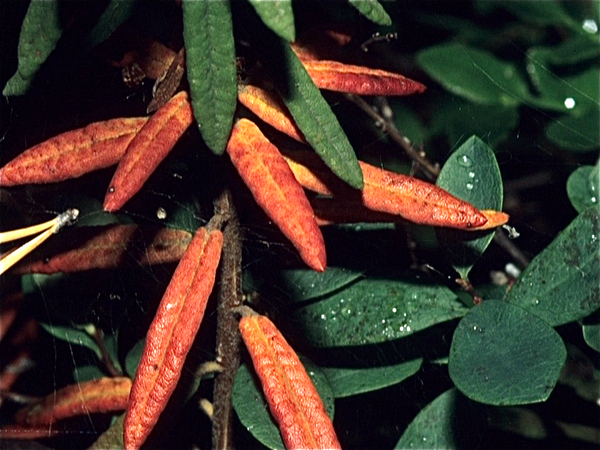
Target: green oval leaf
[(561, 283), (351, 381), (541, 13), (302, 285), (591, 334), (474, 74), (211, 69), (314, 117), (582, 187), (451, 421), (472, 174), (503, 355), (40, 33), (114, 15), (377, 310), (73, 336), (253, 411), (372, 10), (132, 360), (577, 134), (111, 439), (278, 15)]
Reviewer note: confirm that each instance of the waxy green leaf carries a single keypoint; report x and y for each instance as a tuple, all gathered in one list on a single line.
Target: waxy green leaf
[(472, 174), (211, 68), (372, 10), (278, 15), (503, 355), (562, 283), (583, 187)]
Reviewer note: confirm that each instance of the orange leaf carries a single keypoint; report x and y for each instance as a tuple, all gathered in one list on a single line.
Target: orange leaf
[(113, 246), (171, 334), (269, 107), (292, 397), (277, 192), (495, 219), (389, 192), (330, 211), (147, 150), (340, 77), (96, 396), (72, 154)]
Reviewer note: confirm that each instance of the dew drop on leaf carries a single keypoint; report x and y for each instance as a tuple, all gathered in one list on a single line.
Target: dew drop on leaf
[(464, 161)]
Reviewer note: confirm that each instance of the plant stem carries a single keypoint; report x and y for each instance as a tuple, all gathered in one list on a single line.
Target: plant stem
[(228, 336)]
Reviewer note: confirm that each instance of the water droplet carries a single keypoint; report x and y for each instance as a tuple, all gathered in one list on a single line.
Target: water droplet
[(594, 239), (424, 439), (395, 310), (593, 199), (382, 320), (465, 161), (407, 328), (469, 186), (590, 26), (536, 301), (323, 317), (569, 103), (471, 174), (161, 213)]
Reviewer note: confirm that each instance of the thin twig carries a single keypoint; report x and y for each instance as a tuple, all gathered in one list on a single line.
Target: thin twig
[(228, 337), (431, 170)]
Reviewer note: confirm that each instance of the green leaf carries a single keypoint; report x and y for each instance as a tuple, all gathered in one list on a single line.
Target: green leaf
[(503, 355), (562, 283), (314, 117), (351, 381), (115, 14), (450, 422), (253, 411), (541, 13), (459, 119), (372, 10), (591, 334), (132, 360), (408, 122), (572, 51), (578, 134), (111, 342), (377, 310), (211, 68), (301, 285), (73, 336), (111, 439), (278, 15), (582, 187), (87, 373), (576, 94), (40, 33), (474, 74), (472, 174)]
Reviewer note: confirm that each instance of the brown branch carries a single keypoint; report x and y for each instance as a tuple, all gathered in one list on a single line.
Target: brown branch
[(228, 337), (98, 336)]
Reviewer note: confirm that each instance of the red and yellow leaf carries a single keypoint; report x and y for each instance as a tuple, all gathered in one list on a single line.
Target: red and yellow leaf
[(147, 150), (74, 153), (113, 246), (171, 334), (292, 397), (96, 396), (340, 77), (269, 107), (276, 190), (389, 192)]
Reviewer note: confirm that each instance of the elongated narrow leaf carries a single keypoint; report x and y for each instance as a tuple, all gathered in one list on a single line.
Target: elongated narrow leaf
[(472, 174), (171, 334), (561, 283), (148, 148), (336, 76), (269, 107), (275, 189), (376, 310), (113, 246), (73, 336), (278, 15), (317, 122), (73, 153), (96, 396), (211, 69), (40, 33), (511, 370), (372, 10), (293, 399), (349, 381), (115, 14), (253, 411)]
